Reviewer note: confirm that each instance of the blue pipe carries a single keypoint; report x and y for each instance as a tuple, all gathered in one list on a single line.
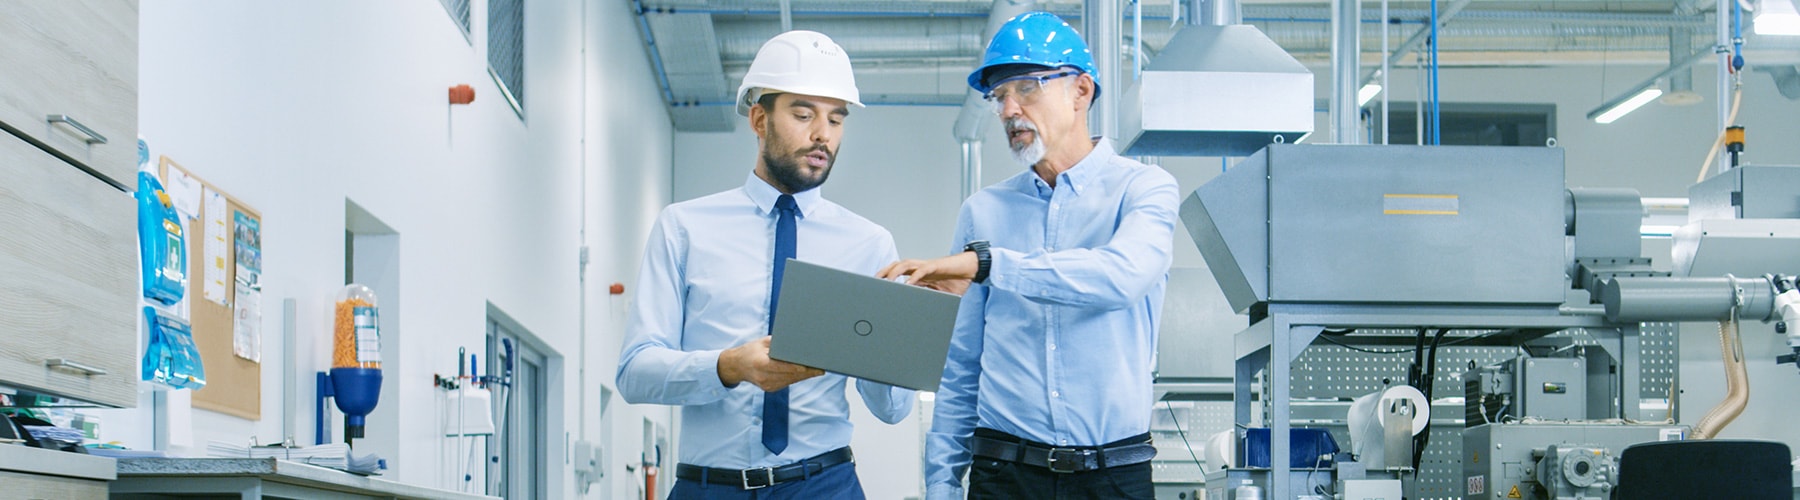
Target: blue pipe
[(1437, 123), (1737, 35), (662, 77)]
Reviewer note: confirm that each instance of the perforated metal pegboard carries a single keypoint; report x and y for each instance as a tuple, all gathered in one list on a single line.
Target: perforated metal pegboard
[(1181, 452), (1332, 373), (1326, 376), (1440, 472), (1329, 371), (1661, 359)]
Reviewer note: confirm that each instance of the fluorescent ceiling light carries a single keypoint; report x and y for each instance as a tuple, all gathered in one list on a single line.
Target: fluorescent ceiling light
[(1776, 17), (1368, 92), (1608, 115)]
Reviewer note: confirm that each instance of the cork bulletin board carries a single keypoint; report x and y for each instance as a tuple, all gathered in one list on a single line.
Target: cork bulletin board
[(233, 383)]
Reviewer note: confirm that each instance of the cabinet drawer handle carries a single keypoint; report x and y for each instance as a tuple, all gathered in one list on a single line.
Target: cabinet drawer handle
[(93, 137), (72, 365)]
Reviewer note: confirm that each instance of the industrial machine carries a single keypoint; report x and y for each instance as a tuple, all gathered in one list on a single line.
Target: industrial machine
[(1541, 340)]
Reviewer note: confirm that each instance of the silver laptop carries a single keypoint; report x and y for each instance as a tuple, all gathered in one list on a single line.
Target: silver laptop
[(863, 326)]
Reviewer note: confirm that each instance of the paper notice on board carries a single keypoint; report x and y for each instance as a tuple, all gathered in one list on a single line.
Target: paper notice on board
[(184, 192), (247, 241), (215, 252), (246, 324)]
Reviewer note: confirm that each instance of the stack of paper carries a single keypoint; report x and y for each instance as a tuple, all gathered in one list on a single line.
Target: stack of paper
[(335, 455)]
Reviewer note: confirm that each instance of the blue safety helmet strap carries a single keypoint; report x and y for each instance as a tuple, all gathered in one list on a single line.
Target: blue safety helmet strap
[(1034, 38)]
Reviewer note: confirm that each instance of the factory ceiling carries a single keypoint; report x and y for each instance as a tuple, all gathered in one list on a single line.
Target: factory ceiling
[(700, 48)]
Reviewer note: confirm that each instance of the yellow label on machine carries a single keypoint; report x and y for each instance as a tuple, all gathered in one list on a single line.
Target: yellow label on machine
[(1514, 493), (1420, 204)]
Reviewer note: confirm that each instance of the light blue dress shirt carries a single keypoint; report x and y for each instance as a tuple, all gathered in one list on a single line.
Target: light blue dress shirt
[(1057, 346), (704, 288)]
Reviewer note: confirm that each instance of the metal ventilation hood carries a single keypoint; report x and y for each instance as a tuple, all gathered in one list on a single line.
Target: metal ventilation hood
[(1217, 91)]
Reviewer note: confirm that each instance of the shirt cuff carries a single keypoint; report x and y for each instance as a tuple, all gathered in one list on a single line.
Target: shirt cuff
[(1002, 267), (707, 364)]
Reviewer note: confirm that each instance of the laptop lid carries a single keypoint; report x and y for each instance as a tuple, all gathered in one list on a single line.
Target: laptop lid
[(863, 326)]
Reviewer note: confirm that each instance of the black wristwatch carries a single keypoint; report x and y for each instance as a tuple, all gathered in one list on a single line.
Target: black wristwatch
[(982, 259)]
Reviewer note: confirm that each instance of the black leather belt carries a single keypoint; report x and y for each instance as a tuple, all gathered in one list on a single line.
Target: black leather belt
[(764, 477), (1065, 460)]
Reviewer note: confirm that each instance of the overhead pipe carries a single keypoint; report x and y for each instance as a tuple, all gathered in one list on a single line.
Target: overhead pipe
[(971, 168), (973, 117), (1722, 47), (1101, 19), (1681, 83), (863, 38), (662, 76), (1346, 55), (1418, 37), (956, 38), (981, 9), (1437, 123), (1215, 13)]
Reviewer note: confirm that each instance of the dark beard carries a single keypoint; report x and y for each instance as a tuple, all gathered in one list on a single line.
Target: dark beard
[(787, 171)]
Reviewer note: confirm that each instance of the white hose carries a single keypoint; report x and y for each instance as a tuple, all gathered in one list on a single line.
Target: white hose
[(1737, 97), (1737, 383)]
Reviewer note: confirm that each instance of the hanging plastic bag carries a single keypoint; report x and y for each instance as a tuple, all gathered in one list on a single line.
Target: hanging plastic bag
[(171, 358)]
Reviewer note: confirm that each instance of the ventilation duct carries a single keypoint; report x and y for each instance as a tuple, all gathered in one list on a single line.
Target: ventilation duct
[(1216, 91)]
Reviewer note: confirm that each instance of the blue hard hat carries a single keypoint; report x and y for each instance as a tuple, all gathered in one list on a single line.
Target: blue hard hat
[(1034, 38)]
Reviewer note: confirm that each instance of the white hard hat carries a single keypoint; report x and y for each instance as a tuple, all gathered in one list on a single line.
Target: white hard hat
[(798, 62)]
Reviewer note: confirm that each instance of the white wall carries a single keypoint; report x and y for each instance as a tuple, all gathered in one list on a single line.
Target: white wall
[(899, 166), (295, 108)]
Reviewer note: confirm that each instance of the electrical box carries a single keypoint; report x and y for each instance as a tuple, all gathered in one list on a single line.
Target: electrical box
[(1552, 388)]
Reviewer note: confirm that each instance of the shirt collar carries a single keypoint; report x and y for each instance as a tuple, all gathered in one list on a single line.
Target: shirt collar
[(764, 195), (1078, 176)]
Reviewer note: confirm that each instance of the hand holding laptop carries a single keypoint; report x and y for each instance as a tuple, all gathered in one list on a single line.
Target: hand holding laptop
[(863, 326), (750, 363)]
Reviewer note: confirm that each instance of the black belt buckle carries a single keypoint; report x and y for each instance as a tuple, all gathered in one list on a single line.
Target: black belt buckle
[(767, 472), (1075, 460)]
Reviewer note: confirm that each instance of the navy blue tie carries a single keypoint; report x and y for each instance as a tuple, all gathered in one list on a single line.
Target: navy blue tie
[(775, 404)]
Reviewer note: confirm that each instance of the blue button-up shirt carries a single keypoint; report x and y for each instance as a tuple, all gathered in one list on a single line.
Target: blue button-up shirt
[(1057, 346), (704, 288)]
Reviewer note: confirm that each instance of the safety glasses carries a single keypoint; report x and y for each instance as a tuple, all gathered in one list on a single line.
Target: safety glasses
[(1023, 89)]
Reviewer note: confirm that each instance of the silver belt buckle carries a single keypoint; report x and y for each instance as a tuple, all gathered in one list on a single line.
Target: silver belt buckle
[(768, 472), (1070, 456)]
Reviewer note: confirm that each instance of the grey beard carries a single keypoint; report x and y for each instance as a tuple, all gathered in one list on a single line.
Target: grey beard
[(1032, 153)]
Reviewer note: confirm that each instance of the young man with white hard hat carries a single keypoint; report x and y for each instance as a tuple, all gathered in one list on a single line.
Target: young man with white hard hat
[(698, 336), (1046, 393)]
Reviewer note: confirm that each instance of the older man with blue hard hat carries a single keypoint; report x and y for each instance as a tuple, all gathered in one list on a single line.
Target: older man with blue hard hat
[(1046, 393), (754, 427)]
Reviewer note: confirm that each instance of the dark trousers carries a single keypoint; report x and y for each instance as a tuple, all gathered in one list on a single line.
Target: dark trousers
[(837, 482), (999, 479)]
